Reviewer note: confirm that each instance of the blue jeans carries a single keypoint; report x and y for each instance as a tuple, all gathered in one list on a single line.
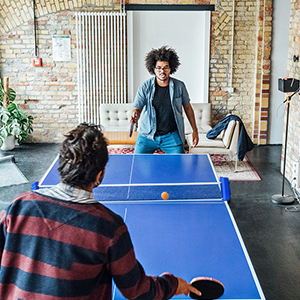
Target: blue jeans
[(170, 143)]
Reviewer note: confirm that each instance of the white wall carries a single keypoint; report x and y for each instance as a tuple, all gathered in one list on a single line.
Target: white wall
[(188, 32), (280, 44)]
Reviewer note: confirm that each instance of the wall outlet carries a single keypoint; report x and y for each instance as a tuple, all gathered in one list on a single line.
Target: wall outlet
[(295, 174)]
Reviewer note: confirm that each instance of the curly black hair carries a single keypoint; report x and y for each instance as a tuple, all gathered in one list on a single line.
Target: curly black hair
[(83, 155), (164, 53)]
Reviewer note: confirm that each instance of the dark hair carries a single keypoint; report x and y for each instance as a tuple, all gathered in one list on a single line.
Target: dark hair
[(83, 155), (162, 54)]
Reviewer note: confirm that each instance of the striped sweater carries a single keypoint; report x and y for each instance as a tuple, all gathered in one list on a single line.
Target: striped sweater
[(55, 249)]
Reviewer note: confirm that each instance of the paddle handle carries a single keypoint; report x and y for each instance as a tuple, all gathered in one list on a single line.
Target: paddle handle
[(131, 128)]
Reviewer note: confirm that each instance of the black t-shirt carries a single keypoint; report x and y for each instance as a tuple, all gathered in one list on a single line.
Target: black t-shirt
[(165, 120)]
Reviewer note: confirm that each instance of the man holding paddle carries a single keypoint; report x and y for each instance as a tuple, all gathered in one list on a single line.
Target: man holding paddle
[(162, 98), (59, 243)]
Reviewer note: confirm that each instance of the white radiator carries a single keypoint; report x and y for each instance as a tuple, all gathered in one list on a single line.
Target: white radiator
[(101, 62)]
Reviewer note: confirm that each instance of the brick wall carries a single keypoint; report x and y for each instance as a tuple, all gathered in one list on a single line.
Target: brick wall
[(293, 146), (49, 93)]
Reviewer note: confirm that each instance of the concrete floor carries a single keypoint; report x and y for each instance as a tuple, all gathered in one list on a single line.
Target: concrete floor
[(271, 234)]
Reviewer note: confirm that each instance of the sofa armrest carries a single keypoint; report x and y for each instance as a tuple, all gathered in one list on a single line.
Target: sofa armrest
[(235, 138), (228, 133)]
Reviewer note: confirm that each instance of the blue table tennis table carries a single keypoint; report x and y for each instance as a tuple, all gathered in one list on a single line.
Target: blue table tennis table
[(191, 234)]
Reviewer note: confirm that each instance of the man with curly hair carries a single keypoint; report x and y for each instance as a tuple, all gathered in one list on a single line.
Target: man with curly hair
[(59, 243), (161, 99)]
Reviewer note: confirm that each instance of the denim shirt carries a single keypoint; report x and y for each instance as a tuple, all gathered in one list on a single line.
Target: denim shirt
[(143, 100)]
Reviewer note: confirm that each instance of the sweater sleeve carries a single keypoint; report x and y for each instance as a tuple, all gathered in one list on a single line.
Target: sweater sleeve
[(140, 98), (2, 230), (130, 276)]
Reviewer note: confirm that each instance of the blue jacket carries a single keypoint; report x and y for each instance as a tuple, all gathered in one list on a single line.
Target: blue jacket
[(244, 142)]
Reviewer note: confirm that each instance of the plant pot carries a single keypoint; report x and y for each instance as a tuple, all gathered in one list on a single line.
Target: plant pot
[(8, 143)]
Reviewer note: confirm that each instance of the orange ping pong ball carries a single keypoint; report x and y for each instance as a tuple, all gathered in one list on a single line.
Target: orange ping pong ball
[(164, 195)]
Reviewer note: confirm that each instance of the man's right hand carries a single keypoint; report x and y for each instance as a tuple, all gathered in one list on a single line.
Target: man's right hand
[(185, 288), (135, 115)]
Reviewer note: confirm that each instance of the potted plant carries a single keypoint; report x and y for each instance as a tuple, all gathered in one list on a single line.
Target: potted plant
[(13, 121)]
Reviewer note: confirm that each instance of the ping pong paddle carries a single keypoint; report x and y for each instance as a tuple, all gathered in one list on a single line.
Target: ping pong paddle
[(210, 288), (131, 128)]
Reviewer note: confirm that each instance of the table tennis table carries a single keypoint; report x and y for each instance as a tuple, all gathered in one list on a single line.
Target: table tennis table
[(191, 234)]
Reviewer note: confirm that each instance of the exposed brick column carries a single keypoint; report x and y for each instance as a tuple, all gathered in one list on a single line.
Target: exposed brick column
[(293, 141), (263, 62)]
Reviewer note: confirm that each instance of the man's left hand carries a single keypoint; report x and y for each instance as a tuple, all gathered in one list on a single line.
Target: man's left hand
[(195, 136)]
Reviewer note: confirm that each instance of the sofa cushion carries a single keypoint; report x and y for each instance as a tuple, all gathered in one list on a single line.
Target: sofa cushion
[(202, 113), (115, 117), (205, 142)]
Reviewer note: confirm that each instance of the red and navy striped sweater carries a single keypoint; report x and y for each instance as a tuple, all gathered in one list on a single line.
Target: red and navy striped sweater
[(55, 249)]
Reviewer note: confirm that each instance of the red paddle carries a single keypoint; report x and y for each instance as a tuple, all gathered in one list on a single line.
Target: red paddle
[(131, 128), (210, 288)]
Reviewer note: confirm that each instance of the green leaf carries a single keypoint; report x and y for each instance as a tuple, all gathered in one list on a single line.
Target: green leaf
[(4, 115), (4, 132), (11, 94)]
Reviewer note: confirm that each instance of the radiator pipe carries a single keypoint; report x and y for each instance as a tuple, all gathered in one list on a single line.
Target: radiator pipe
[(34, 27)]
